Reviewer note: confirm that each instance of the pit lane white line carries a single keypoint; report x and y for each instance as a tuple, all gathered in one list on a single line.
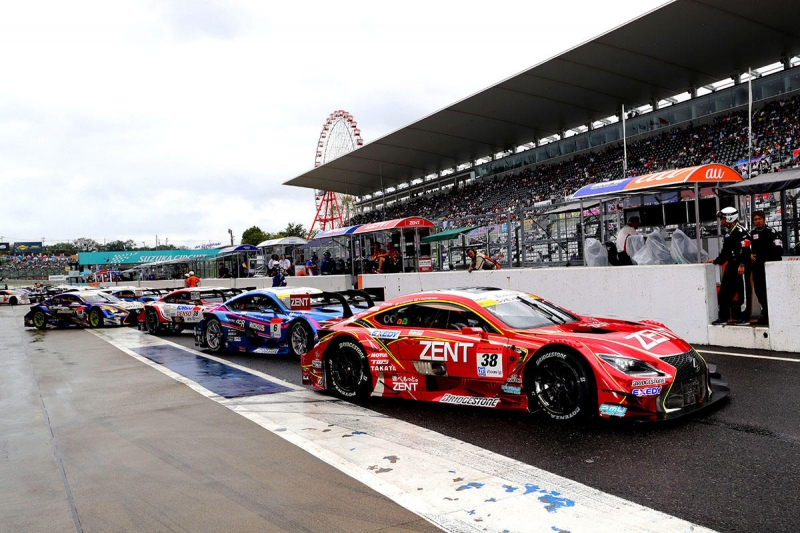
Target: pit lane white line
[(459, 487), (751, 356)]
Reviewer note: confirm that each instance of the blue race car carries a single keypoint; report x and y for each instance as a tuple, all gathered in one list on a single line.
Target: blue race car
[(277, 320), (85, 308)]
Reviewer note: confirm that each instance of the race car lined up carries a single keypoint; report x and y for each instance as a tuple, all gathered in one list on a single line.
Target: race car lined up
[(277, 320), (138, 294), (85, 308), (14, 297), (183, 308), (507, 349)]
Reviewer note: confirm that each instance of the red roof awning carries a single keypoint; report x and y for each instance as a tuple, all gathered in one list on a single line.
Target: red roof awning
[(398, 223)]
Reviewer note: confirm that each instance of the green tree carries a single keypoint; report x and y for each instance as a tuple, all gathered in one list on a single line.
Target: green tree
[(293, 230), (66, 248), (120, 246), (254, 236)]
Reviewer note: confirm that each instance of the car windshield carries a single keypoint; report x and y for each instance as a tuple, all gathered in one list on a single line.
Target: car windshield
[(99, 298), (529, 313)]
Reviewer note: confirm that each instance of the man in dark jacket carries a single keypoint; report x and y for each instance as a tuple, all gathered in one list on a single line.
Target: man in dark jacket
[(765, 245), (735, 255)]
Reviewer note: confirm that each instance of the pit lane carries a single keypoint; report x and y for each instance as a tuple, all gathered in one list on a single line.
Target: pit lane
[(731, 468)]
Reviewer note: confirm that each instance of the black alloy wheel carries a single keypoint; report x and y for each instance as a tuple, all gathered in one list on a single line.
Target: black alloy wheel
[(151, 322), (300, 338), (214, 335), (348, 370), (562, 385)]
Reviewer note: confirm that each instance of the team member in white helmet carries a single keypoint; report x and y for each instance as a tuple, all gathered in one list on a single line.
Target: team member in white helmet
[(735, 255)]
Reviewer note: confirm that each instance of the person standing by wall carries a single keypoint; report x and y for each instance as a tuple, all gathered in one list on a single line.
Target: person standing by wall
[(765, 245), (735, 254), (622, 240), (480, 261), (192, 280)]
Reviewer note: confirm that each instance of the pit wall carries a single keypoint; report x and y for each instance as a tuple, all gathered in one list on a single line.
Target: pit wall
[(683, 297)]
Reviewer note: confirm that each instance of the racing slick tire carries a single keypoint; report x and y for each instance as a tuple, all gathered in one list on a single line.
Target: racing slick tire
[(348, 370), (95, 318), (39, 320), (215, 338), (151, 322), (562, 385), (300, 338), (13, 300)]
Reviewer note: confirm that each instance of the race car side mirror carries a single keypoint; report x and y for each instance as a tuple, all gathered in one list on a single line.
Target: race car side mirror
[(468, 330)]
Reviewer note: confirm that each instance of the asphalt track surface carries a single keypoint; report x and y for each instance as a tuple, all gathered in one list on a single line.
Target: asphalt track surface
[(731, 469)]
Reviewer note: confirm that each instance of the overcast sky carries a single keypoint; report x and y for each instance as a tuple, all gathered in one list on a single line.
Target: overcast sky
[(182, 118)]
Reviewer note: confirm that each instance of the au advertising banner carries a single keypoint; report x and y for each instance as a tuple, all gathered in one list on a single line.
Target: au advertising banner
[(28, 247)]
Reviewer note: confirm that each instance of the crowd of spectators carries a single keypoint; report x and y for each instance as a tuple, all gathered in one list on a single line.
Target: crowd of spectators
[(33, 266), (776, 127)]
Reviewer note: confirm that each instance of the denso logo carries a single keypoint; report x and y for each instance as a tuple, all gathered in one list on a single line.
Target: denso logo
[(442, 351)]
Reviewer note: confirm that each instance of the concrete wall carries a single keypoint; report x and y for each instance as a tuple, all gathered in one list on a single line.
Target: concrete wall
[(681, 296), (676, 295)]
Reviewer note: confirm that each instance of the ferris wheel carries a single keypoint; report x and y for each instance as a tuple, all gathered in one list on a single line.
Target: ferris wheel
[(340, 135)]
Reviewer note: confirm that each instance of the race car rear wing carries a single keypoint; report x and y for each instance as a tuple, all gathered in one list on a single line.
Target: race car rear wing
[(349, 299)]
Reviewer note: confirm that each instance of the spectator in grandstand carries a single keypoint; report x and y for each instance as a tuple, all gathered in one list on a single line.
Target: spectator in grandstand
[(765, 245), (622, 240), (479, 261), (734, 256), (192, 280)]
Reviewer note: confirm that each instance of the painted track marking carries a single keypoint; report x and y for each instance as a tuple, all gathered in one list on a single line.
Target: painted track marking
[(459, 487)]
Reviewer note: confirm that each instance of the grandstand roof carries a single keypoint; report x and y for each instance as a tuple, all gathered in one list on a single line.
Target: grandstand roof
[(683, 44)]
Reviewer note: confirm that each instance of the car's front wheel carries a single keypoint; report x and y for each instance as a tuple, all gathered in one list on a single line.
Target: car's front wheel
[(348, 370), (151, 321), (214, 335), (95, 318), (562, 385), (39, 320), (300, 338)]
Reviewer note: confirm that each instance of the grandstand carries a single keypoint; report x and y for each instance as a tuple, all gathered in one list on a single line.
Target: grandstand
[(682, 73)]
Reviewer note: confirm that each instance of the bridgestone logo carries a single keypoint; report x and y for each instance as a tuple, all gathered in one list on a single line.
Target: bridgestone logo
[(469, 400)]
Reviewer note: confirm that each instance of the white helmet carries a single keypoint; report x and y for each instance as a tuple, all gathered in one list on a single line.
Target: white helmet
[(730, 214), (191, 272)]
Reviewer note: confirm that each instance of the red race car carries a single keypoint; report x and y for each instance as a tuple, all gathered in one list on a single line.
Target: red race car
[(507, 349)]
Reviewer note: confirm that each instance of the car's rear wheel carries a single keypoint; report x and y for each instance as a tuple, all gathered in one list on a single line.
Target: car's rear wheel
[(39, 320), (562, 385), (214, 335), (151, 321), (348, 370), (13, 300), (300, 338), (95, 318)]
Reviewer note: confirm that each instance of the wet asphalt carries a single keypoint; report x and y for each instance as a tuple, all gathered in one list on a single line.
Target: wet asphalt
[(93, 440), (733, 468)]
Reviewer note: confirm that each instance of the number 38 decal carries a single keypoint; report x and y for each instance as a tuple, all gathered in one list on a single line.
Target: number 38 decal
[(490, 365)]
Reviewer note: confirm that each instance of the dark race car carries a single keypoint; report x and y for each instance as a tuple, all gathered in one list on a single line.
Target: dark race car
[(85, 308), (506, 349), (278, 320), (138, 294), (182, 308)]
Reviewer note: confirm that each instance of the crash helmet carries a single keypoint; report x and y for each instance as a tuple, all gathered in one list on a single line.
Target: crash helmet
[(191, 272), (730, 214)]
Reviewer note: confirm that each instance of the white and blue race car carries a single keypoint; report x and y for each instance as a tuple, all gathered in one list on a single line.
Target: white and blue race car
[(277, 320)]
